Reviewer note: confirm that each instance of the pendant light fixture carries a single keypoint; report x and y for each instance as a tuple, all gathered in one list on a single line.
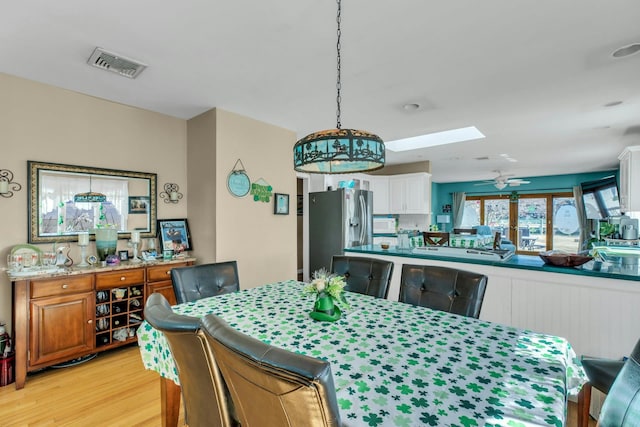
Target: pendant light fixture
[(338, 150), (89, 197)]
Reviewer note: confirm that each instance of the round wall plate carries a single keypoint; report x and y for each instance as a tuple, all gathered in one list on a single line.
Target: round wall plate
[(238, 183)]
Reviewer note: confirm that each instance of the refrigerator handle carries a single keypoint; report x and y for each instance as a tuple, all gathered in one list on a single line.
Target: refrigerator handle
[(363, 219)]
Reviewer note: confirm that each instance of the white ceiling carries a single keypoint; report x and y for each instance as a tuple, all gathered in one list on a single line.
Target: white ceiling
[(533, 76)]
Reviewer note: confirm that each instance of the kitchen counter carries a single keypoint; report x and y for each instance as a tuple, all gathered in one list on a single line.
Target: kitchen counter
[(28, 274), (596, 310), (623, 271)]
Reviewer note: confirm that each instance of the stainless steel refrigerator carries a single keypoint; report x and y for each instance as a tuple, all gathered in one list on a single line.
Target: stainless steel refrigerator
[(338, 219)]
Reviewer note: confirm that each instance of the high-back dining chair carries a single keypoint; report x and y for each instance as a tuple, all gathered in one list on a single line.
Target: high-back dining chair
[(601, 374), (271, 386), (435, 238), (203, 391), (205, 280), (443, 288), (368, 276), (621, 407)]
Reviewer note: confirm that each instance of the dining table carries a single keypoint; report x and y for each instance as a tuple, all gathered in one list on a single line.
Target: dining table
[(395, 364)]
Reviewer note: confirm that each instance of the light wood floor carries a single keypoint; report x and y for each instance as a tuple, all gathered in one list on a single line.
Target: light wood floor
[(111, 390)]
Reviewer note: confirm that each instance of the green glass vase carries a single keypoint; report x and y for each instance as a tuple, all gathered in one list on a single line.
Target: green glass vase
[(106, 242)]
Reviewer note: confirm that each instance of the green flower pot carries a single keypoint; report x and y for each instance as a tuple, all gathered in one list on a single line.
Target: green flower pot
[(325, 309)]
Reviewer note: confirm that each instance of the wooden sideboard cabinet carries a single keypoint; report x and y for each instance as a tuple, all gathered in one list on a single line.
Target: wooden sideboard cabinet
[(67, 315), (159, 280)]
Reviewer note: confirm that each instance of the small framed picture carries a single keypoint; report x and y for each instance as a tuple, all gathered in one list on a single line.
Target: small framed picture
[(124, 255), (138, 205), (281, 204), (174, 235)]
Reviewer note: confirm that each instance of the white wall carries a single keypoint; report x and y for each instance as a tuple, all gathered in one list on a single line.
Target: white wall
[(40, 122), (263, 244), (45, 123)]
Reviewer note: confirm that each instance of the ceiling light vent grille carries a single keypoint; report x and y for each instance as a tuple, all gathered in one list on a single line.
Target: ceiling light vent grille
[(115, 63)]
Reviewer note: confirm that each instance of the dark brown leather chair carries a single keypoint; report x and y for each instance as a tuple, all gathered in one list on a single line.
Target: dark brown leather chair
[(271, 386), (621, 407), (368, 276), (601, 374), (204, 394), (205, 280), (442, 288)]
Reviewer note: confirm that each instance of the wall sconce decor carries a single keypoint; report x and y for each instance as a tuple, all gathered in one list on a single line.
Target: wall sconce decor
[(7, 184), (171, 193)]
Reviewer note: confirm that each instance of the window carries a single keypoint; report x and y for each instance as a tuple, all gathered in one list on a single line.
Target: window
[(533, 222)]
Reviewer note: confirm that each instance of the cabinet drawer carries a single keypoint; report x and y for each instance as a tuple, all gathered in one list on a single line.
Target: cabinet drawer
[(119, 278), (161, 272), (61, 286)]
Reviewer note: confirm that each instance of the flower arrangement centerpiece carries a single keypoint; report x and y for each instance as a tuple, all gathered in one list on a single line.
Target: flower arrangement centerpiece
[(329, 291)]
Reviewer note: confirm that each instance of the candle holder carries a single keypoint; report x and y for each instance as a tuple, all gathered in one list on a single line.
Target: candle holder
[(171, 193), (135, 241), (135, 258), (7, 184), (83, 242), (83, 256)]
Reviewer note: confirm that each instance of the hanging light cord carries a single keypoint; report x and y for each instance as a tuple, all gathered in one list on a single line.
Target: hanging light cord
[(338, 83)]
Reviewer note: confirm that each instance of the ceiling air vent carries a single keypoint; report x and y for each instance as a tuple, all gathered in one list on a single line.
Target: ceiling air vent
[(115, 63)]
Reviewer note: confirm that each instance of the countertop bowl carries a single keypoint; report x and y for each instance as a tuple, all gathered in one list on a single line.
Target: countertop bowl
[(562, 259)]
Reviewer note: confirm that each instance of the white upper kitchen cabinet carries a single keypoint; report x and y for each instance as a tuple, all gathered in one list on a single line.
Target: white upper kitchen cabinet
[(379, 185), (410, 193), (630, 179)]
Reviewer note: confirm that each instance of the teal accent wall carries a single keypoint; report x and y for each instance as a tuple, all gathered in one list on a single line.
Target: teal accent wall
[(441, 193)]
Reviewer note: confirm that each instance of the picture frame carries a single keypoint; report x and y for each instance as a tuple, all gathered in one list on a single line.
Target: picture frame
[(174, 235), (123, 255), (138, 205), (280, 204)]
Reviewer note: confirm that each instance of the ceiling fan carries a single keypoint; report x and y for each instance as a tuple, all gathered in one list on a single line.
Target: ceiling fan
[(502, 181)]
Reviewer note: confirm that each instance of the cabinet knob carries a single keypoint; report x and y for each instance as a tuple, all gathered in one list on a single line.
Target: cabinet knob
[(90, 321), (65, 286), (123, 279), (168, 272)]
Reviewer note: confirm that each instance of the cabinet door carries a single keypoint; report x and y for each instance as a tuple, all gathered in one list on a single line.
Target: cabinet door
[(630, 179), (380, 188), (61, 328), (625, 163), (396, 195), (417, 194), (165, 288)]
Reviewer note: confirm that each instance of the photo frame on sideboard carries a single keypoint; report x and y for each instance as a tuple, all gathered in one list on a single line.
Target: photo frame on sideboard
[(174, 235)]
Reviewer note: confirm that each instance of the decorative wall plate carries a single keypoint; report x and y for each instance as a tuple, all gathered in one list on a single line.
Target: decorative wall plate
[(238, 181)]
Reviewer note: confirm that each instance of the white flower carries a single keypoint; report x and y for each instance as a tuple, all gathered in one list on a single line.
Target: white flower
[(319, 284), (331, 284)]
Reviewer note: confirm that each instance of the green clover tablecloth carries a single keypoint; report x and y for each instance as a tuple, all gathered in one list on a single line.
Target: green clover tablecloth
[(398, 365)]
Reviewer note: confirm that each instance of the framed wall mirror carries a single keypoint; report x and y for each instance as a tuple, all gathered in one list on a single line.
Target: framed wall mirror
[(66, 199)]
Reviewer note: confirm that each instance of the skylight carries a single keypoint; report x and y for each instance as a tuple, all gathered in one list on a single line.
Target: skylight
[(433, 139)]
